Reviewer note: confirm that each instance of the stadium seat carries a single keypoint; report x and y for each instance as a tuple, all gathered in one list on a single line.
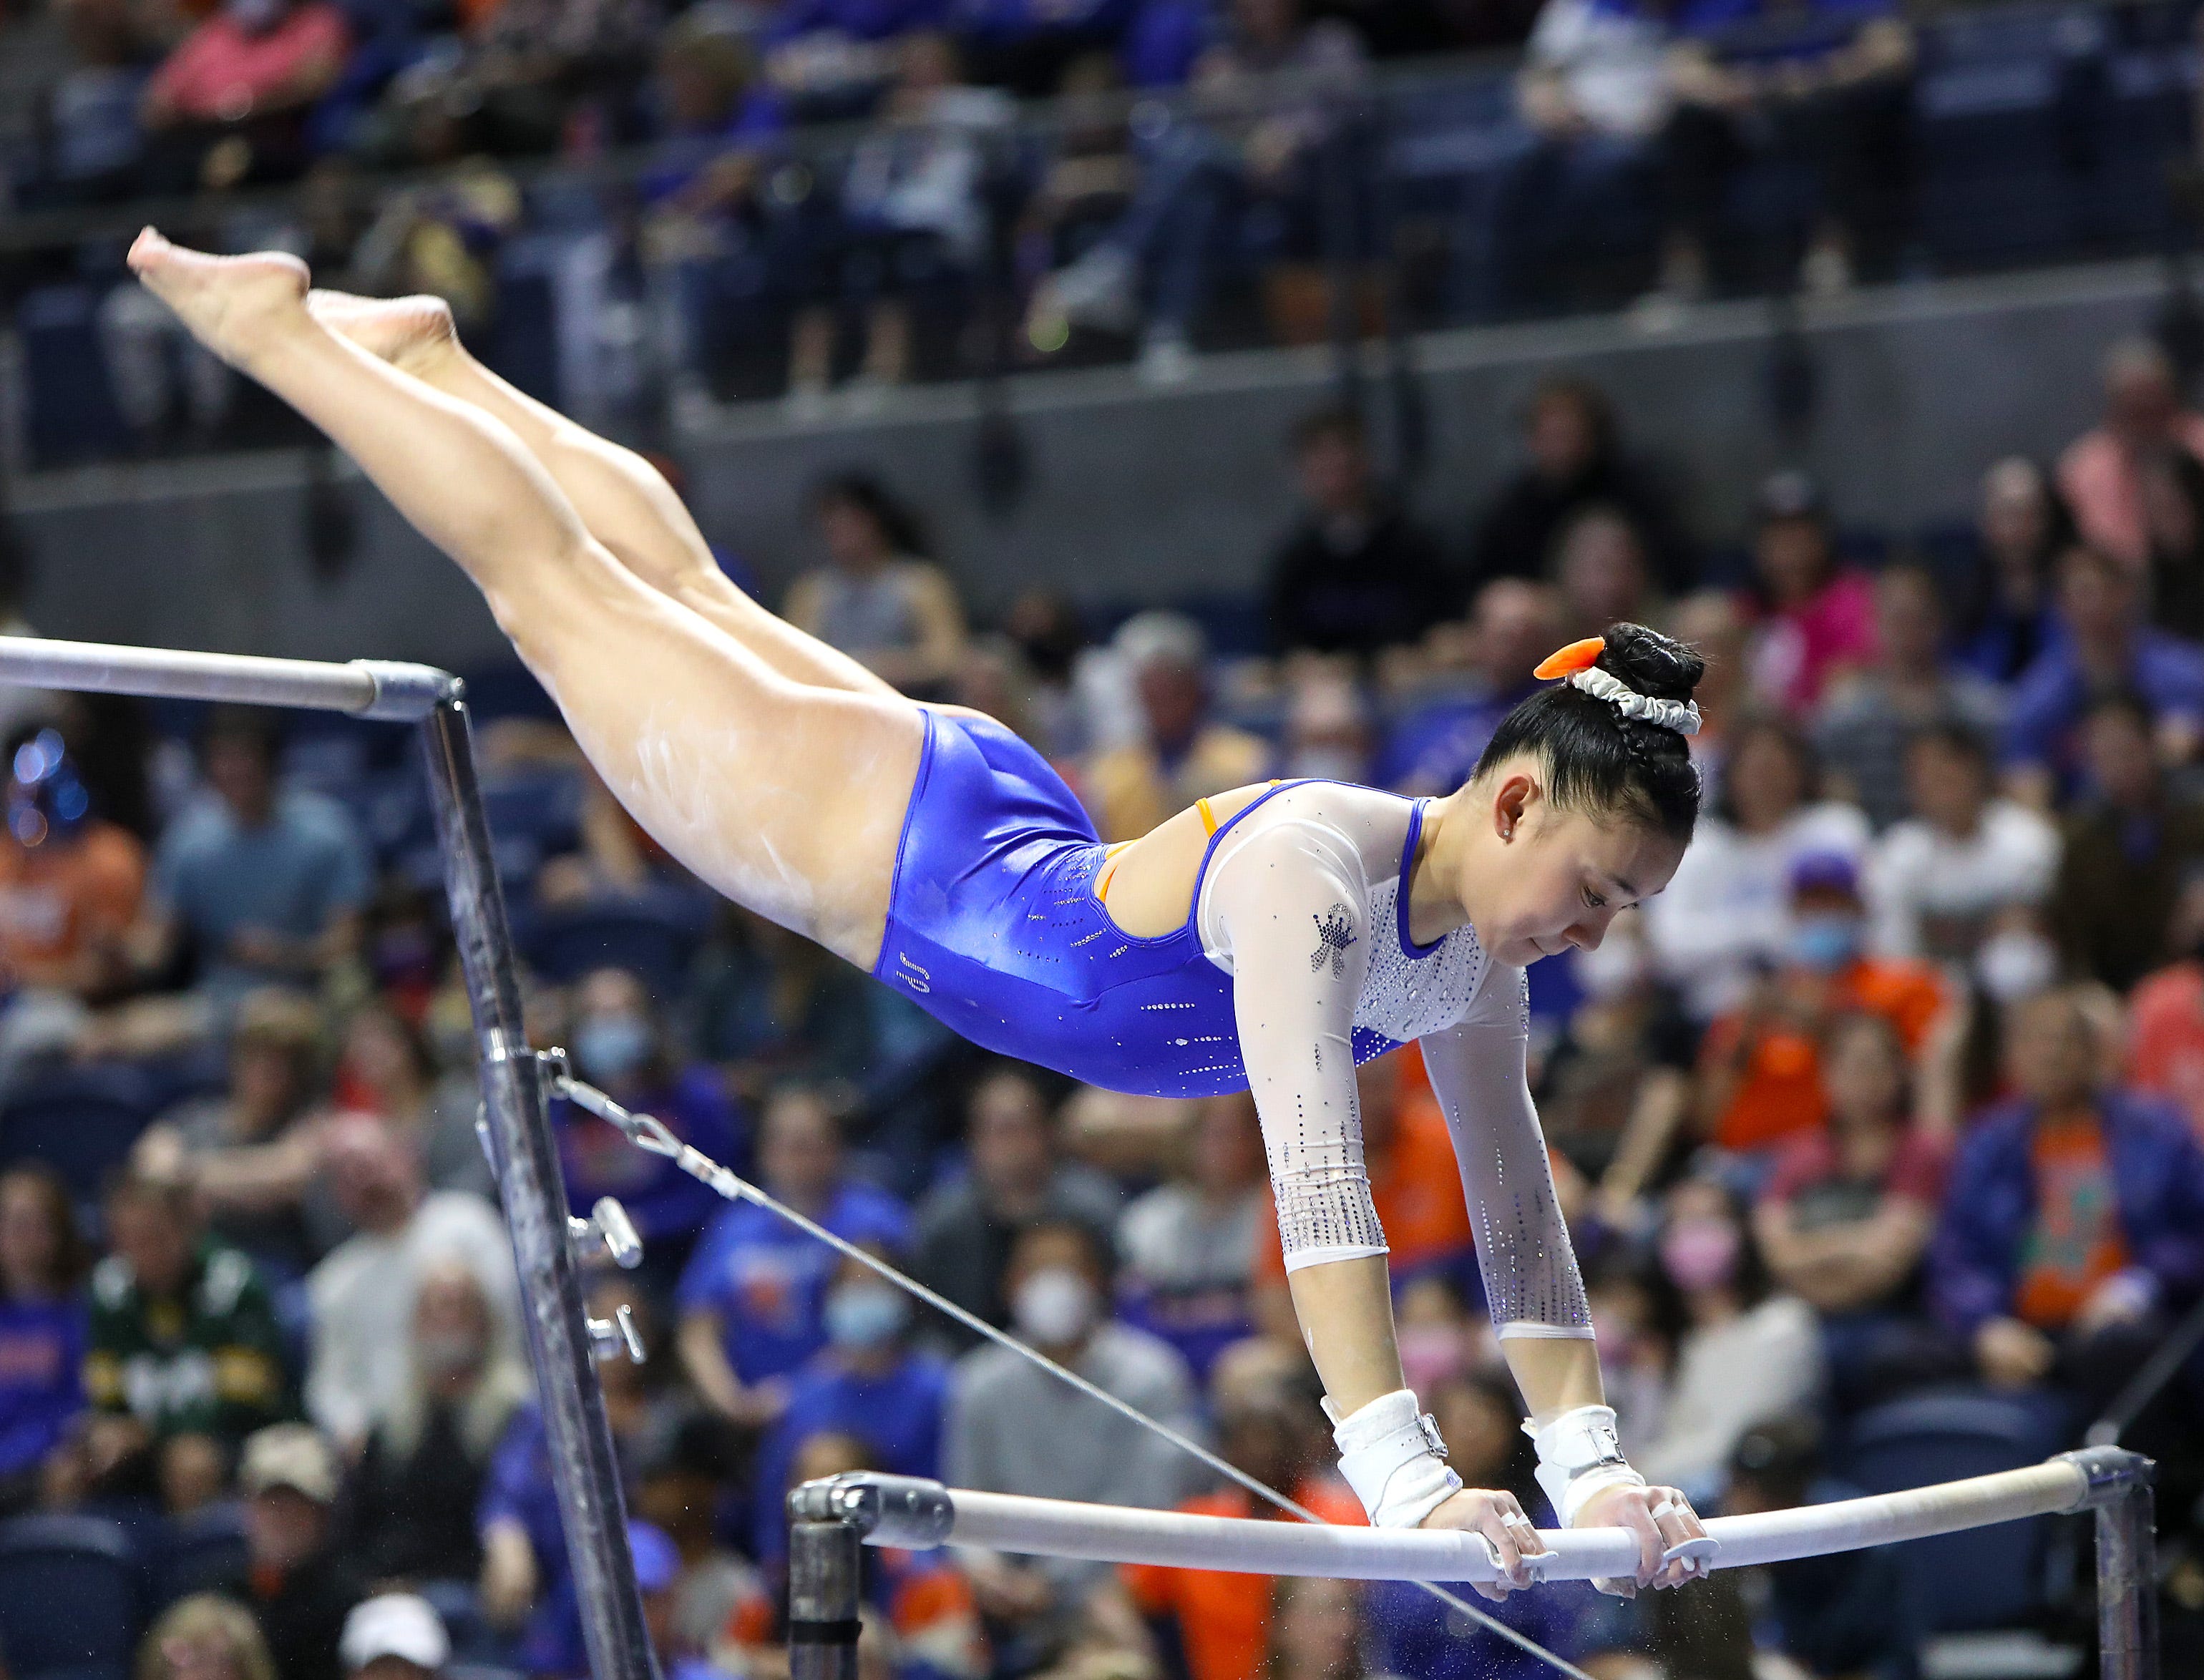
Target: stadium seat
[(1990, 1577), (71, 408), (80, 1122), (71, 1598), (655, 935), (199, 1554)]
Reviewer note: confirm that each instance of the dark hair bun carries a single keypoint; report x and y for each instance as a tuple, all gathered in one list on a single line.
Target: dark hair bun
[(1655, 665)]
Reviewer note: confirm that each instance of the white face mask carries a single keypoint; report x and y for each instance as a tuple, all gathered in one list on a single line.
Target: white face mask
[(2015, 964), (1053, 1307)]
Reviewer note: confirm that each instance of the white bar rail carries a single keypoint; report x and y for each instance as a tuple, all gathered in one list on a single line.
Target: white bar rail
[(387, 690)]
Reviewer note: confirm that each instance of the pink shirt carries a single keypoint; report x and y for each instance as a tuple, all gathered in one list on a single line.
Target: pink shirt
[(221, 73), (1797, 649), (2098, 476)]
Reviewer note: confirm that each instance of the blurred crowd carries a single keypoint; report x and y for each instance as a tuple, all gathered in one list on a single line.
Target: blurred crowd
[(1894, 1099), (1205, 172)]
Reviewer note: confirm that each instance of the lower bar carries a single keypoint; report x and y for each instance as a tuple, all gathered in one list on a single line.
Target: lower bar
[(824, 1560), (380, 689)]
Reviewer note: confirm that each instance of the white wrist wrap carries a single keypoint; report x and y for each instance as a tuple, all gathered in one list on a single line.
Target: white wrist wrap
[(1580, 1455), (1391, 1455)]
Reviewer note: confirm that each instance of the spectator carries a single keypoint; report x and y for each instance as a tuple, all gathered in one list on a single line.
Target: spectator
[(1834, 102), (70, 881), (2074, 1227), (1591, 97), (255, 885), (1329, 734), (1741, 1351), (1965, 864), (1221, 1617), (386, 1068), (2166, 1015), (1355, 573), (682, 1488), (1727, 912), (204, 1637), (395, 1636), (1434, 747), (1847, 1212), (249, 1152), (93, 146), (1816, 615), (2022, 529), (1187, 1246), (42, 1326), (412, 1498), (1599, 564), (1575, 460), (622, 1047), (1184, 752), (2173, 515), (1846, 1613), (772, 1008), (362, 1293), (2101, 473), (184, 1356), (1906, 687), (1017, 1178), (880, 598), (2128, 847), (299, 1586), (229, 100), (867, 1383), (1015, 1428), (1711, 622), (1317, 1631), (2105, 646), (1760, 1066), (753, 1299)]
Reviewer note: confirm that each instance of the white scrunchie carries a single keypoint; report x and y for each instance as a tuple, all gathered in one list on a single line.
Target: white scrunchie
[(1681, 716)]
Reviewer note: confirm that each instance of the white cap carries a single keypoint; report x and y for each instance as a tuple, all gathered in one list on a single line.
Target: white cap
[(396, 1624)]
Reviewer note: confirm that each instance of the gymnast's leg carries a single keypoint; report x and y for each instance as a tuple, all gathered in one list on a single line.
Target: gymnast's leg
[(787, 797), (625, 501)]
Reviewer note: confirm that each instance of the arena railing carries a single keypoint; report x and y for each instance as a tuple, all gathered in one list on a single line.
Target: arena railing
[(517, 1127)]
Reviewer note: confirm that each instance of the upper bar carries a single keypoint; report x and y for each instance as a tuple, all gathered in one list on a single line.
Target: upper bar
[(384, 690), (900, 1511)]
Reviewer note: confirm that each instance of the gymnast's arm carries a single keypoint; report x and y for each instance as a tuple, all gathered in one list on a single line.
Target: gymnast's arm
[(1533, 1287)]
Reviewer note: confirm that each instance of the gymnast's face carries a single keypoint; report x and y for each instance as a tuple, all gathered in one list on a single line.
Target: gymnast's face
[(1536, 878)]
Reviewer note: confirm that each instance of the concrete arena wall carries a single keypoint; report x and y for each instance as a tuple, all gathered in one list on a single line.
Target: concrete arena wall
[(1135, 495)]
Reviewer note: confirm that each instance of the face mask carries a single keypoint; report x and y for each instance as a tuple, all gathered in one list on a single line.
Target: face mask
[(1825, 941), (611, 1047), (1432, 1354), (865, 1315), (2016, 964), (1053, 1307), (1699, 1253)]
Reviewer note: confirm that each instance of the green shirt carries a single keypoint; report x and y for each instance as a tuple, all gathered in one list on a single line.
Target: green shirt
[(207, 1360)]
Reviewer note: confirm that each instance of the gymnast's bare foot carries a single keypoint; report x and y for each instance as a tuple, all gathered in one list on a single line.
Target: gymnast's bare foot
[(236, 306), (410, 334)]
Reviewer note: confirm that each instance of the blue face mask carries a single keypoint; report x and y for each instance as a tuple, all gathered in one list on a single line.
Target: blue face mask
[(612, 1047), (1824, 942), (863, 1316)]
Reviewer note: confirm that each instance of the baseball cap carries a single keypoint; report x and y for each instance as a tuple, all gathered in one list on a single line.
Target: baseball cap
[(1825, 871), (1789, 494), (396, 1624), (289, 1455)]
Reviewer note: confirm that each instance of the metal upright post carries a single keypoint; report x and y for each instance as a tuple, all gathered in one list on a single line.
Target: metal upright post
[(824, 1560), (2119, 1492), (583, 1467)]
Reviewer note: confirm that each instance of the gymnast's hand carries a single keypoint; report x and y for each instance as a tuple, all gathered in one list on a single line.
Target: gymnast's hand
[(1496, 1514), (1660, 1517)]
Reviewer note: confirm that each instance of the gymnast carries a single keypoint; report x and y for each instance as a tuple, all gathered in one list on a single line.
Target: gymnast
[(1269, 937)]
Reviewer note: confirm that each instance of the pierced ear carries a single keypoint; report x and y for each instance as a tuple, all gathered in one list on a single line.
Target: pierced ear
[(1516, 794)]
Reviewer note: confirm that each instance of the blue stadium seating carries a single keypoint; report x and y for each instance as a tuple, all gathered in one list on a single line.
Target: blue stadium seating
[(199, 1554), (71, 1598), (80, 1122), (72, 416), (656, 935)]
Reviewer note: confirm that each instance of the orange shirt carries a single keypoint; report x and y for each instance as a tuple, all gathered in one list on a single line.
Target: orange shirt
[(2076, 1243), (1414, 1183), (1223, 1616), (1781, 1095), (56, 898)]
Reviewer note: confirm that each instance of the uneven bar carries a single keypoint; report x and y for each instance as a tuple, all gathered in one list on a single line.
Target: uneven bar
[(898, 1510), (384, 690)]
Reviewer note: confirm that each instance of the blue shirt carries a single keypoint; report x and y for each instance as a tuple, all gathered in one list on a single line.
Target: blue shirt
[(1432, 748), (897, 1414), (766, 1280), (2044, 726), (662, 1199), (41, 1346), (293, 875)]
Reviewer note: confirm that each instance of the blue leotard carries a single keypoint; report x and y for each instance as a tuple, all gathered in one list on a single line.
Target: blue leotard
[(994, 929)]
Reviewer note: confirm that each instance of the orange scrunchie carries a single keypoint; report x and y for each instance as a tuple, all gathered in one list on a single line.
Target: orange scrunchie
[(1577, 656)]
